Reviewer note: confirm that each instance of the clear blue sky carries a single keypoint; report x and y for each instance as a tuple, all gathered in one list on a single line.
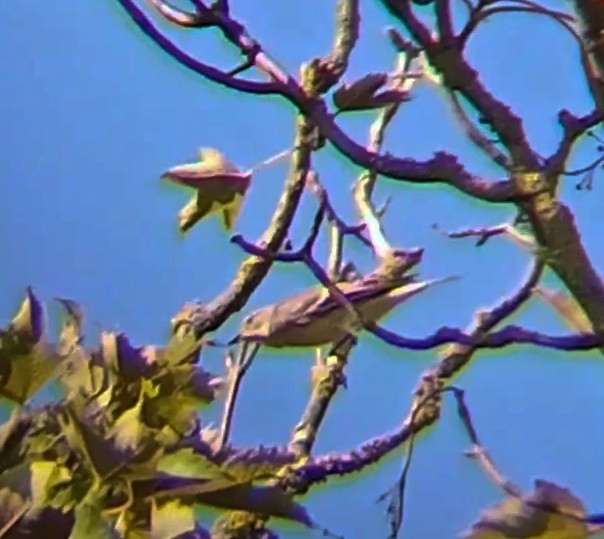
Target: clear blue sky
[(93, 112)]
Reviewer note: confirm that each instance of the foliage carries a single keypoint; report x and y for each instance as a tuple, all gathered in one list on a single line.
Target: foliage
[(123, 453)]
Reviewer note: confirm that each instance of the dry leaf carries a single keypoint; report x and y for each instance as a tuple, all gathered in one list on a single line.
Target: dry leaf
[(361, 94), (220, 188), (550, 512)]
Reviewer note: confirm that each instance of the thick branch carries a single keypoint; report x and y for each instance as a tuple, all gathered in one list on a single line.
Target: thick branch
[(591, 17), (561, 246), (447, 57)]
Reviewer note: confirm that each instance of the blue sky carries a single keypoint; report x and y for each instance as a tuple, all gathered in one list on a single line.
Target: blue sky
[(94, 113)]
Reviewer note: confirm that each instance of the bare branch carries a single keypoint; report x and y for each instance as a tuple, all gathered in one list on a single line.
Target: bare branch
[(363, 189), (442, 168), (243, 362), (207, 71), (179, 16), (325, 385), (591, 16), (573, 128), (444, 20)]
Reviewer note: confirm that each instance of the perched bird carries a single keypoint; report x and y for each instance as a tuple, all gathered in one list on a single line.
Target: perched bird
[(220, 188), (314, 318)]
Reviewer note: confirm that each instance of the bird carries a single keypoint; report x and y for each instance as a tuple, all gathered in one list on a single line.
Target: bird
[(314, 318)]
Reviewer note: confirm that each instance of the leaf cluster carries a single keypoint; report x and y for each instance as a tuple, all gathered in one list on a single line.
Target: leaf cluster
[(122, 453)]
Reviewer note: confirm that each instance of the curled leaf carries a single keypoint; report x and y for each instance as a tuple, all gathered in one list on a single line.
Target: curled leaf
[(361, 94), (28, 323), (84, 372), (26, 361), (549, 512), (220, 188), (130, 362), (72, 331)]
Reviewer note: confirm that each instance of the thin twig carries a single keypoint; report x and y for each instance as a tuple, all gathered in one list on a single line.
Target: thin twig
[(477, 136), (238, 371)]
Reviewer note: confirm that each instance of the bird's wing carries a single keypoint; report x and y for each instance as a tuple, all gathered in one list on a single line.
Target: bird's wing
[(354, 293)]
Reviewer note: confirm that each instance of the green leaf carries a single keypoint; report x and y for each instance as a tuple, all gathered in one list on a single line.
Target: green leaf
[(84, 372), (246, 469), (225, 494), (101, 455), (180, 391), (113, 497), (91, 524), (45, 474), (13, 437), (128, 429), (174, 416), (171, 519), (188, 463), (135, 521), (26, 363), (181, 350), (136, 440), (19, 515), (127, 361), (63, 488), (190, 381)]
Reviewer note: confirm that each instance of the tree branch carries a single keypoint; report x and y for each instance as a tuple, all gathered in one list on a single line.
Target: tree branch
[(450, 363), (458, 75), (442, 168)]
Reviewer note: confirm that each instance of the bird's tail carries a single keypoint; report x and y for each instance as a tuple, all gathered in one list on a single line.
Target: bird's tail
[(406, 291)]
